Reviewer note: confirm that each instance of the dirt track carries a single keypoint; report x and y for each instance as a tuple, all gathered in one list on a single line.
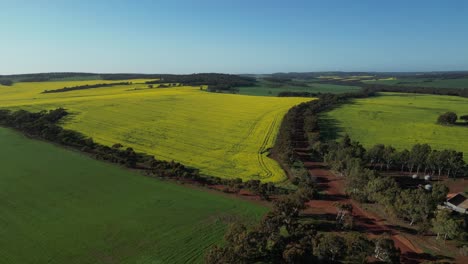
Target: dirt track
[(333, 187)]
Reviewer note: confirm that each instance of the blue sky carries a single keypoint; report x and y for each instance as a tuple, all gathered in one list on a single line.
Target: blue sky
[(235, 36)]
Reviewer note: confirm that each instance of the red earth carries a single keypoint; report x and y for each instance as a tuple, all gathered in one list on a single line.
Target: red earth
[(333, 187)]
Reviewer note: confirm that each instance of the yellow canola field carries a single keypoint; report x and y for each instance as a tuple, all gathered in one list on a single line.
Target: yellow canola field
[(223, 135)]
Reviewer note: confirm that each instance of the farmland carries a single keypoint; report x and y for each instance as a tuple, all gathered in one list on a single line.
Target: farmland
[(63, 207), (265, 88), (400, 120), (224, 135), (422, 82)]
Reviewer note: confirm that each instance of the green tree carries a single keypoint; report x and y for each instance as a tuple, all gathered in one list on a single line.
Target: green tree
[(386, 251), (402, 158), (464, 118), (356, 183), (383, 190), (358, 247), (418, 156), (415, 205), (444, 225), (448, 118), (330, 247), (389, 156), (455, 162), (375, 155), (439, 193)]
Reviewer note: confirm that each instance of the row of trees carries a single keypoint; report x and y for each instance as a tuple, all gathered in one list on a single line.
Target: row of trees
[(215, 81), (44, 125), (42, 77), (420, 158), (365, 185), (282, 237), (300, 125), (297, 94), (86, 86)]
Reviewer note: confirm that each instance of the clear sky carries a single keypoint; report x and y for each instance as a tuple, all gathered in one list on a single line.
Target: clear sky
[(233, 36)]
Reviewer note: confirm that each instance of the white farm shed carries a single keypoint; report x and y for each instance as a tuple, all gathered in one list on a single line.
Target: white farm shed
[(458, 202)]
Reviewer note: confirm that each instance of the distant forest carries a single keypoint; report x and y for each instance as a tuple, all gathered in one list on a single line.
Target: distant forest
[(216, 82)]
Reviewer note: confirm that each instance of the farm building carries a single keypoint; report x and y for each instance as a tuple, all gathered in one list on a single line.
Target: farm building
[(457, 202)]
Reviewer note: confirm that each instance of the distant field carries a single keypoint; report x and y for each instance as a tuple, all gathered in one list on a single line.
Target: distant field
[(63, 207), (423, 82), (222, 134), (400, 120), (266, 89)]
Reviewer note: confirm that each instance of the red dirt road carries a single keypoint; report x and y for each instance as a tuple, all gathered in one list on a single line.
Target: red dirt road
[(369, 223)]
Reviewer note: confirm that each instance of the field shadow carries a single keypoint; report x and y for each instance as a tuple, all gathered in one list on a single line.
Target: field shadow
[(329, 128), (333, 197), (412, 257), (403, 229), (462, 124)]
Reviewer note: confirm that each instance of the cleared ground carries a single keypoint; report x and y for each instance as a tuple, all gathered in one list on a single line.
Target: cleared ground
[(63, 207), (222, 134), (400, 120)]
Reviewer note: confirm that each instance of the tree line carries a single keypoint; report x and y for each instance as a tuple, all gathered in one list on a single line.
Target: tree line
[(216, 82), (297, 94), (420, 158), (86, 86), (45, 125), (44, 77), (300, 124)]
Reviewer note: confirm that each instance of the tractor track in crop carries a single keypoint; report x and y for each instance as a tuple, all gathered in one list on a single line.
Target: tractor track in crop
[(261, 150)]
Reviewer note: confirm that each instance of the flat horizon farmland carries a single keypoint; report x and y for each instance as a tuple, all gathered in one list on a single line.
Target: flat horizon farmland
[(65, 207), (400, 120), (269, 89), (458, 83), (223, 135)]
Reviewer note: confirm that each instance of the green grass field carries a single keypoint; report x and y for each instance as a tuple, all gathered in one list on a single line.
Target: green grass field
[(400, 120), (222, 134), (423, 82), (63, 207), (267, 89)]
